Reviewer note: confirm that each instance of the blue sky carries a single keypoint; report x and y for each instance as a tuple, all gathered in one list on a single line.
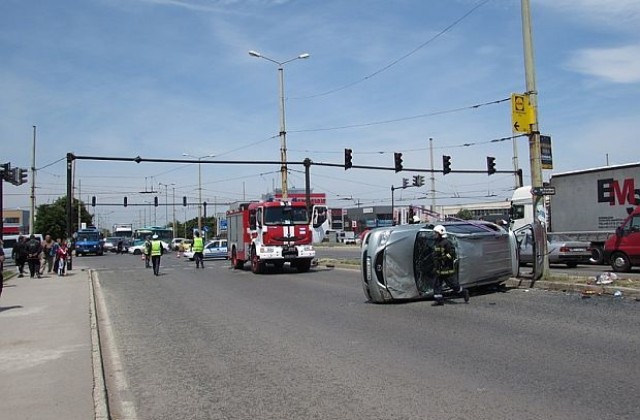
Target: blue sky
[(159, 78)]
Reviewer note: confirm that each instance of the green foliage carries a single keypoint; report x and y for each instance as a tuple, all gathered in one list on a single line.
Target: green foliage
[(51, 219), (464, 214)]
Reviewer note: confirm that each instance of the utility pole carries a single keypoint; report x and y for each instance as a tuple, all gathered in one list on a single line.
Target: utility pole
[(32, 216), (534, 137), (433, 179)]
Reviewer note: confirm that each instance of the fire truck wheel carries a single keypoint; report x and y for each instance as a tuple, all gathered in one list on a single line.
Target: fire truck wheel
[(256, 266), (235, 262), (303, 265)]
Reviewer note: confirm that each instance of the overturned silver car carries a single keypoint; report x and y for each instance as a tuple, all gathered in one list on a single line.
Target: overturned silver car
[(397, 262)]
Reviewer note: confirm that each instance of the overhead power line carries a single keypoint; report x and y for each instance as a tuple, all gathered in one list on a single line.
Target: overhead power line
[(404, 57)]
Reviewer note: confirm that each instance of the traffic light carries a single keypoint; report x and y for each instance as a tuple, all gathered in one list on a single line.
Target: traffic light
[(184, 201), (125, 202), (22, 176), (348, 159), (491, 165), (405, 182), (6, 171), (418, 180), (446, 164), (155, 201), (397, 158), (93, 201)]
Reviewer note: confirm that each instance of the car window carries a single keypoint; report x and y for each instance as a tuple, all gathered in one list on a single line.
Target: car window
[(467, 228)]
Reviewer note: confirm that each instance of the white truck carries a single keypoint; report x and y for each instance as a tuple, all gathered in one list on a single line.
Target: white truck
[(588, 205)]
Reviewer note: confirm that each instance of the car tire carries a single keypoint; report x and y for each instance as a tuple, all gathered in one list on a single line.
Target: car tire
[(572, 264), (235, 262), (137, 252), (597, 255), (620, 262)]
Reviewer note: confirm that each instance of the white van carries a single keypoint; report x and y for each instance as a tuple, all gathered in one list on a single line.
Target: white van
[(9, 242)]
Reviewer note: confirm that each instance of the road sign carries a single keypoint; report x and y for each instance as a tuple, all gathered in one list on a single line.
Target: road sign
[(540, 191), (522, 115)]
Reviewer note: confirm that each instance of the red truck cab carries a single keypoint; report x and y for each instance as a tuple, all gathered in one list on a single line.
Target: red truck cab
[(622, 249)]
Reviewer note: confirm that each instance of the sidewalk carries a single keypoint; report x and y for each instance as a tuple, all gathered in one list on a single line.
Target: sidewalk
[(46, 351)]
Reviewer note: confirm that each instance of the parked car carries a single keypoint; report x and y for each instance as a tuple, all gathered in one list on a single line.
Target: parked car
[(397, 262), (560, 249), (216, 248)]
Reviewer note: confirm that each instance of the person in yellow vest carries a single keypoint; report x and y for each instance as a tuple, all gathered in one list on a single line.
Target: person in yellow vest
[(198, 248), (156, 252)]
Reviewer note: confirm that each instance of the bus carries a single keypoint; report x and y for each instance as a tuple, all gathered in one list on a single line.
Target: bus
[(165, 234)]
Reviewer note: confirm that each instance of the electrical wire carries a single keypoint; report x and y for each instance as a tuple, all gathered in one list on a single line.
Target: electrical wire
[(398, 60)]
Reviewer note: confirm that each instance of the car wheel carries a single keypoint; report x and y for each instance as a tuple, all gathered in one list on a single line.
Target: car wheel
[(572, 265), (620, 262), (597, 255), (137, 252)]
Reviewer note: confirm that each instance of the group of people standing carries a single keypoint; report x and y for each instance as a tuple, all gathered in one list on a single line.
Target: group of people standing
[(49, 255)]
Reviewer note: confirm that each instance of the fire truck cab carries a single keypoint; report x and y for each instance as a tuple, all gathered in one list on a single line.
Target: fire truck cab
[(270, 232)]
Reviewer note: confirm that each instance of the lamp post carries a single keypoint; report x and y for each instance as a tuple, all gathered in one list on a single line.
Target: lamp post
[(199, 186), (283, 130), (166, 200)]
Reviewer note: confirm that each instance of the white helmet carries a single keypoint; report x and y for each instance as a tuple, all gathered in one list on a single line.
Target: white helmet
[(440, 230)]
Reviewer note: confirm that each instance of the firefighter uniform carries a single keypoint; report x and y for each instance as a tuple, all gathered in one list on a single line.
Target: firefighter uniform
[(444, 259)]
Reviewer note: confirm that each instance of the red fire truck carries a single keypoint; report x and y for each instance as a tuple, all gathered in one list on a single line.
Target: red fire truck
[(270, 232)]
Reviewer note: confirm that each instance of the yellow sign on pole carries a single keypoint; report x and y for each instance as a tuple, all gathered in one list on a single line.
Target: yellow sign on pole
[(522, 115)]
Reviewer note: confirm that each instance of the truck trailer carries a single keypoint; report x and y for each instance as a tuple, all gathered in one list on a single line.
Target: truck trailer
[(585, 205)]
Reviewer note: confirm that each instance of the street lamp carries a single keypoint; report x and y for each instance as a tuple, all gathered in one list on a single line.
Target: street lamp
[(166, 200), (199, 187), (283, 130)]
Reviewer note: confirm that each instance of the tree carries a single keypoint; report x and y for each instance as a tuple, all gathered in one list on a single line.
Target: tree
[(52, 218), (464, 214)]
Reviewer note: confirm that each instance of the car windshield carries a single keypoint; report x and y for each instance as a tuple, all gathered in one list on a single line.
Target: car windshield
[(92, 236), (285, 215)]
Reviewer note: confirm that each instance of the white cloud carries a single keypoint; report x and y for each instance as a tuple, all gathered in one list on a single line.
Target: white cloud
[(617, 65), (620, 15)]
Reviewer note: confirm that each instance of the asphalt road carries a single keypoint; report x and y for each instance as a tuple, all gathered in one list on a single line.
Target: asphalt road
[(227, 344)]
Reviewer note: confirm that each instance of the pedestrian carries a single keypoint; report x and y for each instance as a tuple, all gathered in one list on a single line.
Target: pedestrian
[(49, 253), (19, 254), (119, 247), (156, 252), (147, 252), (1, 264), (445, 261), (33, 249), (61, 257), (198, 248)]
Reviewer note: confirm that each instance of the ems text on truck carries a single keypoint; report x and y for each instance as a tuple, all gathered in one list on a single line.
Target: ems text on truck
[(593, 205), (270, 232)]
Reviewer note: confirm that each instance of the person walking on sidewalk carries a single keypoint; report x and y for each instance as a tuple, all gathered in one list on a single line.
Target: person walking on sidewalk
[(19, 254), (34, 249), (445, 267), (156, 252), (48, 248), (61, 257), (198, 248)]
